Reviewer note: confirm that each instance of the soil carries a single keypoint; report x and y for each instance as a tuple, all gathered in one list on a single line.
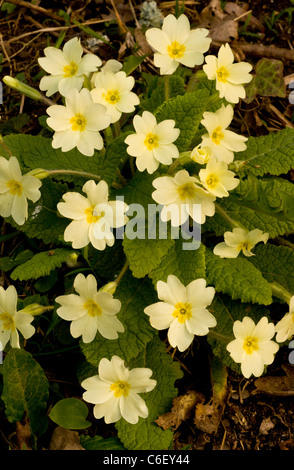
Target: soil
[(250, 419)]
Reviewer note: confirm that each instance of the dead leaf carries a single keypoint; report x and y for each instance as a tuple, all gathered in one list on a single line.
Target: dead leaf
[(23, 434), (65, 439), (207, 417), (236, 11), (181, 410), (221, 26), (266, 425), (281, 386)]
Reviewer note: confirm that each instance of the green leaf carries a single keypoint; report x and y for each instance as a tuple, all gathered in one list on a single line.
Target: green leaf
[(132, 62), (7, 263), (134, 295), (187, 265), (269, 154), (37, 152), (265, 203), (226, 312), (25, 390), (41, 264), (146, 434), (144, 255), (70, 413), (14, 124), (276, 264), (238, 278), (187, 111), (138, 190), (268, 80), (157, 97), (98, 443)]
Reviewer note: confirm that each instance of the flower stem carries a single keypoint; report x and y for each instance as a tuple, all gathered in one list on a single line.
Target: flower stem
[(280, 292), (74, 172), (121, 273), (166, 87)]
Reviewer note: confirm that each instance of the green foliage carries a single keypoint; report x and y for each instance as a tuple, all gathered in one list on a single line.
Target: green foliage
[(41, 264), (238, 278), (269, 154), (25, 390), (70, 413), (267, 80)]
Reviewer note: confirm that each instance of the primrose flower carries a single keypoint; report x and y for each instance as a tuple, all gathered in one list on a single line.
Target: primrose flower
[(182, 310), (115, 391), (90, 311), (93, 216), (229, 77), (12, 321), (152, 143), (201, 154), (113, 90), (66, 68), (15, 189), (217, 179), (239, 240), (77, 124), (176, 44), (222, 142), (253, 347), (285, 327), (181, 197)]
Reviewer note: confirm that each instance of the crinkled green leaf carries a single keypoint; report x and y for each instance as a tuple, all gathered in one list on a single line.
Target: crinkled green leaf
[(70, 413), (268, 80), (26, 390), (41, 264), (266, 204), (134, 295), (144, 255), (276, 264), (226, 312), (9, 262), (146, 434), (238, 278), (187, 111), (98, 443), (187, 265), (157, 97), (272, 153)]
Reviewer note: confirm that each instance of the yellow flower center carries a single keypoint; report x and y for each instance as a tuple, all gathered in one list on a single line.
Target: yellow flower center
[(151, 141), (211, 181), (187, 191), (222, 74), (250, 344), (112, 96), (70, 70), (244, 246), (182, 312), (120, 388), (78, 122), (91, 219), (93, 309), (8, 321), (217, 135), (176, 50), (15, 187)]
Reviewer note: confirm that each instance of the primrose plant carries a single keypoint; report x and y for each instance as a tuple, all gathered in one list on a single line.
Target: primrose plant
[(120, 158)]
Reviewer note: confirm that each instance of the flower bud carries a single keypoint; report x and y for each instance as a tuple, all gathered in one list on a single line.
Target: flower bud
[(22, 88), (35, 309), (201, 154), (39, 173), (110, 288), (72, 260)]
